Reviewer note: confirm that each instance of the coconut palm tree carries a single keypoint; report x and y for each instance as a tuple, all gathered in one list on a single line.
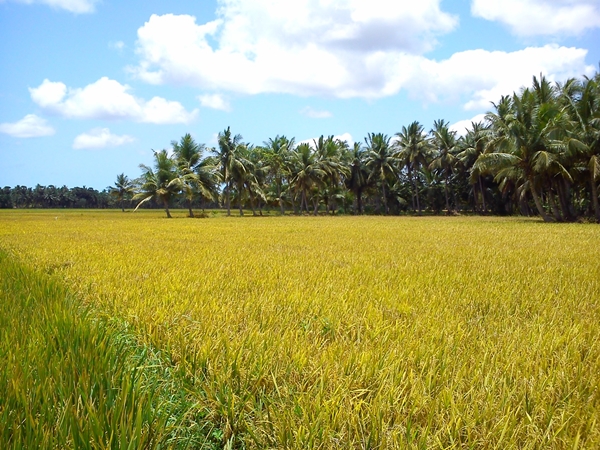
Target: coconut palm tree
[(444, 141), (470, 147), (230, 164), (413, 149), (582, 101), (382, 163), (277, 153), (525, 130), (187, 154), (207, 178), (306, 173), (358, 175), (328, 152), (123, 188), (156, 183)]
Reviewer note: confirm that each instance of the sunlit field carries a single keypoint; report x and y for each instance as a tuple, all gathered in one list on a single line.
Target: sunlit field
[(347, 332)]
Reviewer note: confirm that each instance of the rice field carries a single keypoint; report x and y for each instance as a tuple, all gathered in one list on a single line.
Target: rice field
[(346, 332)]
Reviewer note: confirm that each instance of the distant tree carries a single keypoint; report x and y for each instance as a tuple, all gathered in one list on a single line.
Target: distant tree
[(230, 162), (382, 163), (306, 174), (122, 189), (187, 154), (277, 152), (156, 183), (413, 152), (357, 180), (444, 141), (469, 148)]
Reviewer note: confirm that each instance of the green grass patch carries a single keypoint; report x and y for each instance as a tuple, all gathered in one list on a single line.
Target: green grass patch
[(69, 379)]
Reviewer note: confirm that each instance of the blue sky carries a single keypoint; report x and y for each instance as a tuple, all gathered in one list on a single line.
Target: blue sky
[(89, 88)]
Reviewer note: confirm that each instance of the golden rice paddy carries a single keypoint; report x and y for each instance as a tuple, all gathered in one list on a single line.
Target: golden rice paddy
[(350, 332)]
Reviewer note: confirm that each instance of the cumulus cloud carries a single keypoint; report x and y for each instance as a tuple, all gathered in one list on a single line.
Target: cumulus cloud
[(358, 49), (107, 99), (29, 126), (314, 113), (461, 127), (74, 6), (303, 47), (100, 138), (541, 17), (478, 77), (344, 137), (214, 101)]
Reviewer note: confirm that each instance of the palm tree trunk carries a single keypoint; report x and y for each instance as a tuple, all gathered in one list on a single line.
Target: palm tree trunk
[(280, 199), (293, 199), (446, 193), (360, 203), (538, 203), (482, 194), (228, 200), (412, 186), (417, 194), (553, 207), (595, 198), (385, 206), (252, 203), (189, 202), (561, 189), (166, 204), (568, 199)]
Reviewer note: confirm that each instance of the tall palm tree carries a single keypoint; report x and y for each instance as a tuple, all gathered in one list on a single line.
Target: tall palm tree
[(187, 155), (306, 173), (123, 188), (230, 164), (156, 183), (444, 142), (207, 178), (413, 151), (582, 101), (358, 175), (525, 130), (277, 153), (328, 152), (382, 163), (470, 147), (252, 178)]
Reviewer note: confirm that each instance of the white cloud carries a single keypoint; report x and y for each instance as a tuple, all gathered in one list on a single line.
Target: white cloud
[(344, 137), (100, 138), (304, 47), (107, 99), (74, 6), (541, 17), (214, 101), (356, 49), (460, 127), (118, 45), (29, 126), (315, 114), (477, 77)]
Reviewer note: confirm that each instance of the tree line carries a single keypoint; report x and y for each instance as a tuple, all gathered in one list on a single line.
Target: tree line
[(536, 153)]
